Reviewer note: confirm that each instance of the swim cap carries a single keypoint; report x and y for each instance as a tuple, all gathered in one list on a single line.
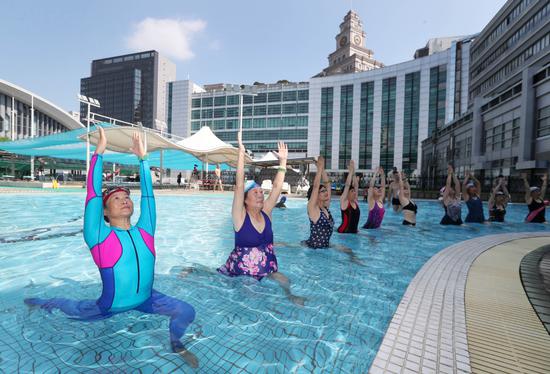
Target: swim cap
[(250, 185), (534, 188), (111, 190), (499, 193), (442, 190), (470, 185)]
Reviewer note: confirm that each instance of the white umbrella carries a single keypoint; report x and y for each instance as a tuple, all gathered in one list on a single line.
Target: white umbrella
[(210, 149)]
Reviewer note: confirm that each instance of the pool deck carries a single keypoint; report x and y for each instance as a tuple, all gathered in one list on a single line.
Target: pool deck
[(466, 311)]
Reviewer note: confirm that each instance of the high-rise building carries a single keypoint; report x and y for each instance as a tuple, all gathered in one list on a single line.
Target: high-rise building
[(131, 87), (378, 116), (351, 55), (271, 112), (507, 126)]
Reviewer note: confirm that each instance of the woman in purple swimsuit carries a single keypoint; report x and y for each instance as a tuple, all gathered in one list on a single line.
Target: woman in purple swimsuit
[(254, 255), (376, 196)]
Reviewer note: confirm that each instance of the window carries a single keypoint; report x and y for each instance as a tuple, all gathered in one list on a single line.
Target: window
[(274, 109)]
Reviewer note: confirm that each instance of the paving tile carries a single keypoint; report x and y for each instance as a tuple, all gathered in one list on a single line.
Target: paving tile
[(430, 318)]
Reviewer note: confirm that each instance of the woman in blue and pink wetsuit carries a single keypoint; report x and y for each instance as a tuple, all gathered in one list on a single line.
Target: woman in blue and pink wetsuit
[(125, 254), (254, 255), (375, 199)]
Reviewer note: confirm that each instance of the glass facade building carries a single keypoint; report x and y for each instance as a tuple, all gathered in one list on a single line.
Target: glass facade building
[(384, 114), (269, 113), (346, 118), (504, 130), (132, 88), (325, 138)]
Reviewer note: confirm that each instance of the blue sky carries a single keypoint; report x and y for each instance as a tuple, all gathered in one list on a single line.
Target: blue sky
[(49, 45)]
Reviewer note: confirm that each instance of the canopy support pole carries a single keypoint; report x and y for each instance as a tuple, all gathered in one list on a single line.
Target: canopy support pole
[(33, 134), (161, 160)]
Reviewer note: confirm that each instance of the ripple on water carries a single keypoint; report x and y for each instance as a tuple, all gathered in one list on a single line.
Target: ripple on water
[(241, 324)]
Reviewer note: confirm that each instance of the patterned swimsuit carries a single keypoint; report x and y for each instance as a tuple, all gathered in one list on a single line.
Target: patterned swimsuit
[(321, 231), (253, 255)]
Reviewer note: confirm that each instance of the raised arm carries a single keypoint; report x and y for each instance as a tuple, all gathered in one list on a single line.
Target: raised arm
[(402, 198), (356, 187), (349, 180), (277, 187), (464, 186), (383, 182), (238, 210), (528, 199), (507, 195), (148, 215), (326, 182), (544, 184), (448, 185), (312, 206), (492, 198), (457, 186), (95, 229)]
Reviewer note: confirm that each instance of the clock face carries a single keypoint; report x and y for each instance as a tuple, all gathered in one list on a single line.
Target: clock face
[(343, 41), (357, 39)]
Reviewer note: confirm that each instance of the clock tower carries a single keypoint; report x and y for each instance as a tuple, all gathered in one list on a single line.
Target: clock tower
[(350, 55)]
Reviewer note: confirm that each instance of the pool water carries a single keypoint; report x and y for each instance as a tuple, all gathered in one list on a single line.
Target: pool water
[(242, 325)]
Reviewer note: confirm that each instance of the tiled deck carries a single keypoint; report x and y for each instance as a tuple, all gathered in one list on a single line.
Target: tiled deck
[(428, 331), (505, 335)]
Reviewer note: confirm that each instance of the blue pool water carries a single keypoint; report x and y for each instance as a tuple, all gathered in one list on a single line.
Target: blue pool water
[(242, 325)]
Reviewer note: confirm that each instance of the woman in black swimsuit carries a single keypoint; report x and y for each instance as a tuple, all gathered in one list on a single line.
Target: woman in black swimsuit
[(349, 205), (498, 201), (534, 197), (408, 206)]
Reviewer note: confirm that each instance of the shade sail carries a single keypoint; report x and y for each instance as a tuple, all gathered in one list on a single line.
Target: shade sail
[(209, 148), (69, 145), (119, 139)]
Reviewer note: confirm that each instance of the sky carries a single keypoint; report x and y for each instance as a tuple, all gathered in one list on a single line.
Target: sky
[(48, 46)]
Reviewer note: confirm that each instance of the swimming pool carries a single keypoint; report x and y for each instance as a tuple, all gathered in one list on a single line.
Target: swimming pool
[(242, 325)]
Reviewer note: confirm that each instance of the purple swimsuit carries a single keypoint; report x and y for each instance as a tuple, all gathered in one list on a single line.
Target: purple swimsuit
[(376, 215), (253, 254)]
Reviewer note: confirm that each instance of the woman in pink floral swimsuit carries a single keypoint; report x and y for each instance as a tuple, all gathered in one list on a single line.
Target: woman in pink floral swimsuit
[(254, 255)]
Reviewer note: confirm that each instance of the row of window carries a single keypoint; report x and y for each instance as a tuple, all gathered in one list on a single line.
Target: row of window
[(366, 123), (259, 135), (261, 98), (325, 139), (502, 136), (257, 123), (518, 9), (511, 66), (438, 92), (533, 22), (249, 111), (346, 116), (543, 122)]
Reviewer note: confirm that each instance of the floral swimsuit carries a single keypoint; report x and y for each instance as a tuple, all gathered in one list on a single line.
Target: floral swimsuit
[(253, 254)]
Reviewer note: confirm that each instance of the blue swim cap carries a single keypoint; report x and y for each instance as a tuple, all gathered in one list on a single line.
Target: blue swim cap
[(250, 185)]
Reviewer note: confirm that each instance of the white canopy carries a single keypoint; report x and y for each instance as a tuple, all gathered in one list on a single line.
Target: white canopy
[(269, 156), (119, 139), (209, 148)]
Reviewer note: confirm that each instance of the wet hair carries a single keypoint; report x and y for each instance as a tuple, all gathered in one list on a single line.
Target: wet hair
[(310, 190)]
